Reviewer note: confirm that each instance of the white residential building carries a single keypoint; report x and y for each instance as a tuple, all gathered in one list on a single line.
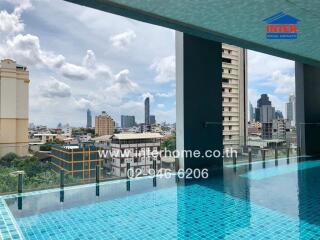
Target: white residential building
[(136, 149)]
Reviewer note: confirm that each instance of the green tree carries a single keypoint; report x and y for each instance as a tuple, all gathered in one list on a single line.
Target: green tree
[(169, 143), (8, 160)]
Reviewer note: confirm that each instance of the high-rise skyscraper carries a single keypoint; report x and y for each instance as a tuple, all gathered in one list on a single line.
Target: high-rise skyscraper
[(104, 124), (263, 100), (152, 119), (234, 93), (251, 113), (147, 111), (127, 121), (278, 114), (291, 110), (14, 108), (265, 114), (89, 119)]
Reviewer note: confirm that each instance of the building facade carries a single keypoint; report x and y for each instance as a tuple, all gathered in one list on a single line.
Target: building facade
[(251, 113), (147, 111), (89, 119), (76, 160), (291, 110), (14, 108), (136, 149), (234, 93), (280, 128), (104, 124), (152, 119), (127, 121)]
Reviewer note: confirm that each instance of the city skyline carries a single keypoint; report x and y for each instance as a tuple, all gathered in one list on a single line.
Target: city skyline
[(65, 76)]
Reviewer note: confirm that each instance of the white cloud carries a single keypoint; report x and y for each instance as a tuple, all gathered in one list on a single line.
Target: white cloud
[(54, 88), (123, 40), (89, 60), (149, 95), (107, 82), (20, 5), (115, 91), (171, 93), (26, 50), (83, 103), (160, 105), (261, 66), (283, 83), (165, 69), (10, 23), (168, 115), (74, 72), (123, 80)]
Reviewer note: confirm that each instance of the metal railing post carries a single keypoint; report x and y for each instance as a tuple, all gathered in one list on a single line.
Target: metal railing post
[(61, 195), (128, 178), (61, 179), (288, 155), (263, 153), (128, 168), (20, 182), (97, 174), (154, 180), (234, 160)]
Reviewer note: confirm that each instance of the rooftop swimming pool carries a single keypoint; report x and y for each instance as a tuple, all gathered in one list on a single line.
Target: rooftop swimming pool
[(271, 200)]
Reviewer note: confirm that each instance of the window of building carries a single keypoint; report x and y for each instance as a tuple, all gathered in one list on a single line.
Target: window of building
[(226, 60)]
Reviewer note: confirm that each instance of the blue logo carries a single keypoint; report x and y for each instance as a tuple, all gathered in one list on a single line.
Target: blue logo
[(281, 26)]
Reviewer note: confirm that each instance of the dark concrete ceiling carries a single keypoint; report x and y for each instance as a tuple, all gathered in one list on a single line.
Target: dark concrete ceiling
[(238, 22)]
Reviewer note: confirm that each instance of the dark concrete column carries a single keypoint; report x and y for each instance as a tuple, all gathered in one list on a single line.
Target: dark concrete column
[(199, 99), (308, 108)]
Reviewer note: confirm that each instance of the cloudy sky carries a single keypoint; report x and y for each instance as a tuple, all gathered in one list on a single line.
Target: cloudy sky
[(82, 58)]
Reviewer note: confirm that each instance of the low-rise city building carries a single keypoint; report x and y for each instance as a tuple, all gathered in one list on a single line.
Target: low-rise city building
[(45, 137), (77, 160), (136, 149)]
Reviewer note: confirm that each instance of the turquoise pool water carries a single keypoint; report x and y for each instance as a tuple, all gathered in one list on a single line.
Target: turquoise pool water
[(235, 205)]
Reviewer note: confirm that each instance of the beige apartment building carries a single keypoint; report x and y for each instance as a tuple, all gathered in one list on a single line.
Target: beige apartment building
[(234, 93), (14, 108), (104, 124)]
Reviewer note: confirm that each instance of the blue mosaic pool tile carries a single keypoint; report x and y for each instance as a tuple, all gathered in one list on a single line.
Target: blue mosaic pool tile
[(279, 170), (188, 212), (8, 226)]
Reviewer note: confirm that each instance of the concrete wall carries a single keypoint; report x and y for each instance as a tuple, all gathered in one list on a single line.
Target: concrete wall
[(308, 108), (199, 99)]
